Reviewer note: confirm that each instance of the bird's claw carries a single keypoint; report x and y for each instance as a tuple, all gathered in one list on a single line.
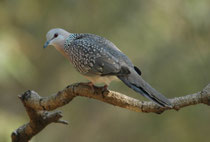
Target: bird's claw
[(91, 85), (103, 90)]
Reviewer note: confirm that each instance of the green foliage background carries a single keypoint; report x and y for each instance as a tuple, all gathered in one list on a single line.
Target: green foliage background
[(168, 40)]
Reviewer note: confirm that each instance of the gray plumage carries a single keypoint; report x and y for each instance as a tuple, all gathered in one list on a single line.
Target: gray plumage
[(99, 60), (92, 54)]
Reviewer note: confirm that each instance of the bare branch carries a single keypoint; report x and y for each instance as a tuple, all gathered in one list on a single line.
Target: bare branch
[(38, 107)]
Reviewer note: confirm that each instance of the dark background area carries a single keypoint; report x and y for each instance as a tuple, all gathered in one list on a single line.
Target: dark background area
[(168, 40)]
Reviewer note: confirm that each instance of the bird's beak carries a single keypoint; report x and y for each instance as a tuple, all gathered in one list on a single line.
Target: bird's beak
[(46, 44)]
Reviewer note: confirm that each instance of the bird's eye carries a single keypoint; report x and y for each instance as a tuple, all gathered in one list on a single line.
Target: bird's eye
[(55, 35)]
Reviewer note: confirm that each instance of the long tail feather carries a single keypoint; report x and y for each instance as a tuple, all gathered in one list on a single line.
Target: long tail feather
[(137, 83)]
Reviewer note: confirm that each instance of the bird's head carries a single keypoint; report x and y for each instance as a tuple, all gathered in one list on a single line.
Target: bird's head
[(56, 37)]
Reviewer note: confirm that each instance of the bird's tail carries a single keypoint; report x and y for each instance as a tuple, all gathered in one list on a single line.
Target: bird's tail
[(136, 82)]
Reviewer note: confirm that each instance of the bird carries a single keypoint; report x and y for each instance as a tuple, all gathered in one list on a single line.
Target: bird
[(100, 61)]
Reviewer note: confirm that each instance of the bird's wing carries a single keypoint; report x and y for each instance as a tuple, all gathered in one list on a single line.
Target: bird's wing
[(105, 57), (108, 66)]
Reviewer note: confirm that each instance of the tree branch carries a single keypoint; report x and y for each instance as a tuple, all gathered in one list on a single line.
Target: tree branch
[(38, 107)]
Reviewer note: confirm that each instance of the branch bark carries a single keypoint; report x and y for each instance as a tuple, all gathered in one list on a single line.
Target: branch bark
[(38, 108)]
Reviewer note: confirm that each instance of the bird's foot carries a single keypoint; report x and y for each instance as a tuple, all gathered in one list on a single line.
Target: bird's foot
[(103, 90), (105, 87), (91, 85)]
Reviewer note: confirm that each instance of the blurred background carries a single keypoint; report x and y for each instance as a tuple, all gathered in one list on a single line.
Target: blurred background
[(168, 40)]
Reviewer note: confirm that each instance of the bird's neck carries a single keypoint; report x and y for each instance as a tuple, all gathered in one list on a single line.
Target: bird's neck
[(60, 45), (60, 48)]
